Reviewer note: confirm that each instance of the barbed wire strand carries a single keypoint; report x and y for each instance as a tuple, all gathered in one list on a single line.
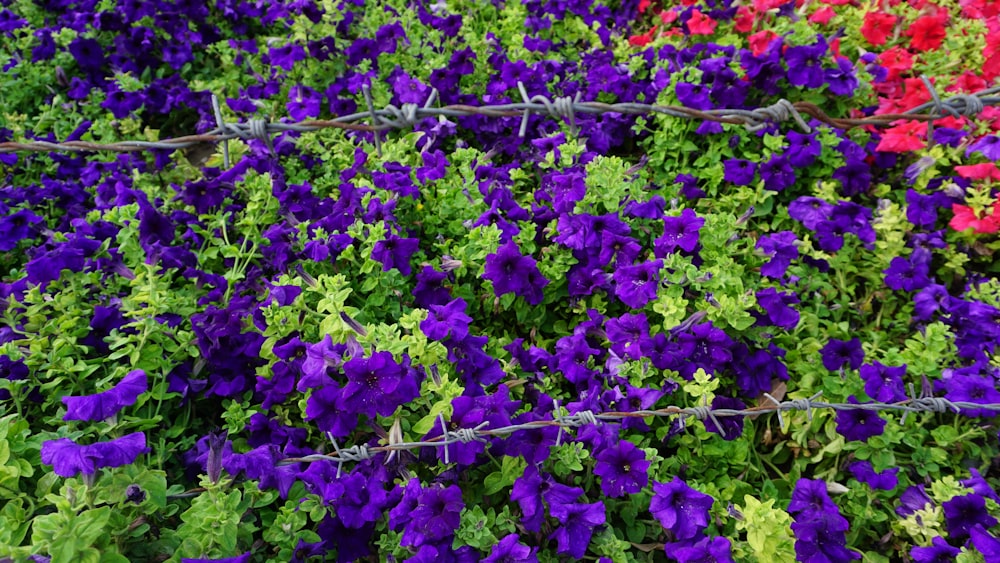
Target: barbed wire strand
[(392, 117), (914, 404)]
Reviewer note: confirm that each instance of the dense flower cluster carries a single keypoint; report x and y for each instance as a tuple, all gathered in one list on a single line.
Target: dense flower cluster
[(353, 288)]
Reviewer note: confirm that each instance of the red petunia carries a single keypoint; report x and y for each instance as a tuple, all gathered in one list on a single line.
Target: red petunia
[(897, 60), (744, 19), (644, 5), (822, 16), (966, 218), (642, 40), (927, 32), (903, 138), (700, 24), (760, 41), (877, 27), (979, 171)]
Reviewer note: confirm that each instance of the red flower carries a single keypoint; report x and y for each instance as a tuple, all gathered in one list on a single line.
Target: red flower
[(744, 19), (760, 41), (822, 16), (644, 5), (979, 171), (927, 32), (700, 24), (903, 138), (966, 218), (642, 40), (897, 60), (877, 27)]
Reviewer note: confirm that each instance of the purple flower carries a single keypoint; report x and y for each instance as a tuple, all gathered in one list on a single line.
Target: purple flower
[(679, 508), (885, 481), (782, 249), (777, 306), (428, 290), (964, 512), (577, 526), (738, 171), (304, 102), (909, 275), (985, 543), (810, 499), (622, 469), (509, 550), (627, 334), (859, 424), (805, 64), (108, 403), (973, 389), (377, 385), (988, 145), (921, 210), (938, 552), (884, 383), (913, 499), (810, 211), (69, 459), (514, 273), (705, 550), (855, 178), (842, 80), (777, 173), (244, 558), (979, 485), (838, 353), (822, 538), (436, 516), (636, 285), (928, 301), (694, 96), (395, 252), (447, 320), (679, 232), (803, 148), (731, 426), (16, 227)]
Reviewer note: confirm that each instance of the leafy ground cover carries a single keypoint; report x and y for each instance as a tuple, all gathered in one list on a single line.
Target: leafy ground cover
[(176, 333)]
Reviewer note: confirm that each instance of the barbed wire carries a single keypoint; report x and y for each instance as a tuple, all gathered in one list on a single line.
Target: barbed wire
[(409, 114), (480, 433)]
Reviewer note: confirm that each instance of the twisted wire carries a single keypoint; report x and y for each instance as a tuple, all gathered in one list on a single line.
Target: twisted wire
[(393, 117)]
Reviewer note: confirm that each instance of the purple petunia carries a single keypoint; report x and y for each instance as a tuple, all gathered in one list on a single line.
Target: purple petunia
[(738, 171), (69, 459), (447, 320), (377, 385), (577, 526), (108, 403), (909, 274), (938, 551), (782, 249), (884, 383), (679, 232), (988, 145), (777, 173), (395, 252), (510, 550), (840, 353), (962, 513), (885, 481), (680, 508), (778, 307), (636, 285), (859, 424), (622, 469), (511, 272)]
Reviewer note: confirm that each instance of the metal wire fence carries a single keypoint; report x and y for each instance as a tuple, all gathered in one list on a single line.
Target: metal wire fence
[(407, 115), (361, 452)]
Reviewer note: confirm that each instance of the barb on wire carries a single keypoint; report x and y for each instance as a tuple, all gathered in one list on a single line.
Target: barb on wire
[(392, 117), (914, 404)]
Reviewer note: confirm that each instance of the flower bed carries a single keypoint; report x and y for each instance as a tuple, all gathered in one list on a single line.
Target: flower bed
[(211, 362)]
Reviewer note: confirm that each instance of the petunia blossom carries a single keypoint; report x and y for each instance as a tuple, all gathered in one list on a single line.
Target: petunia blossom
[(106, 404), (680, 508), (69, 459)]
